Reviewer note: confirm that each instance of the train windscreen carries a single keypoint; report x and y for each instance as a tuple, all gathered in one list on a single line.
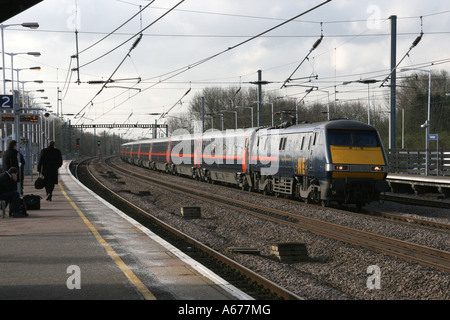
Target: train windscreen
[(353, 138)]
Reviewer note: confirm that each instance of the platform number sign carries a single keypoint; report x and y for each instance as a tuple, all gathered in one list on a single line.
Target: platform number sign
[(6, 101)]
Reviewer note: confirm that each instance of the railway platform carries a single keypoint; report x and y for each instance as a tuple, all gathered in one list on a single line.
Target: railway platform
[(79, 247), (419, 183)]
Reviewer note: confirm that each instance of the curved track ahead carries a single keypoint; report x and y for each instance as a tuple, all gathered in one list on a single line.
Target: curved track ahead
[(271, 288)]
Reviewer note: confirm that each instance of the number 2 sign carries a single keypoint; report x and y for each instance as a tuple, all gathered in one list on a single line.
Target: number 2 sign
[(6, 101)]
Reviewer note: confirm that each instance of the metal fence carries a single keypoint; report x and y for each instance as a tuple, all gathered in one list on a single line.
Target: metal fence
[(412, 161)]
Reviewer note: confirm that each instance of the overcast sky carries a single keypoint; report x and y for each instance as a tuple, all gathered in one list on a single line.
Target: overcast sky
[(355, 45)]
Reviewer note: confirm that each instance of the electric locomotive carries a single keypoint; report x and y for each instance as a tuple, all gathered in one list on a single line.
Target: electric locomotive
[(338, 160)]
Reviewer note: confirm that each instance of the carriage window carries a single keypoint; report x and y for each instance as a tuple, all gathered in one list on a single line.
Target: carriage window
[(145, 148), (302, 144), (320, 138)]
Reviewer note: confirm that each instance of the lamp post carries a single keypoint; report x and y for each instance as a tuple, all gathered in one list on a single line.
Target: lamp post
[(221, 119), (23, 96), (328, 104), (28, 127), (403, 126), (271, 103), (212, 120), (368, 82), (12, 54), (426, 125), (31, 25), (16, 127), (235, 116), (251, 109)]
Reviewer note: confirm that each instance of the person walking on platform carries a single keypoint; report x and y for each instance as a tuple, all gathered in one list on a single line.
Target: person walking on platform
[(8, 192), (49, 162)]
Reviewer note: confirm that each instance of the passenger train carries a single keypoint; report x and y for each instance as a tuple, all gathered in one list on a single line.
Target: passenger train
[(338, 160)]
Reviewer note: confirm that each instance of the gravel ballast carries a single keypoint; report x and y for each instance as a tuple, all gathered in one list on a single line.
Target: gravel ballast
[(334, 270)]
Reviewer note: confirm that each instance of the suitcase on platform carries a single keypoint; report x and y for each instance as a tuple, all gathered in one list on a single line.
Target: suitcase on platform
[(32, 202)]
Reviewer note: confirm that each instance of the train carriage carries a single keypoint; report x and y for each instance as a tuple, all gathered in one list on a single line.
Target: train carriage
[(339, 160)]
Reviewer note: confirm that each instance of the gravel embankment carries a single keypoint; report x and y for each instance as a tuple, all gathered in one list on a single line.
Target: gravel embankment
[(334, 270)]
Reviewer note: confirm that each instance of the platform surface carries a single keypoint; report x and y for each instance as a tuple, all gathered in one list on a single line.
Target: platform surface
[(414, 178), (79, 247)]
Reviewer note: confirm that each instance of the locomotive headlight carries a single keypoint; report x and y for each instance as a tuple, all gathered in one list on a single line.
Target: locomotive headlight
[(377, 168), (340, 167)]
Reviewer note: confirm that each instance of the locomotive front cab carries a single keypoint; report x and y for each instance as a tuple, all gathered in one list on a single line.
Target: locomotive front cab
[(358, 165)]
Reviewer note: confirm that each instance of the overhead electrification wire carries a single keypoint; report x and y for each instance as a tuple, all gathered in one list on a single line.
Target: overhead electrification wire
[(415, 43), (179, 100), (112, 32), (110, 78), (139, 33), (280, 19), (195, 64), (181, 70), (315, 45), (67, 81), (128, 54)]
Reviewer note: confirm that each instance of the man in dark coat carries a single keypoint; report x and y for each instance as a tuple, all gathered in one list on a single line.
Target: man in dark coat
[(10, 156), (8, 192), (50, 161), (10, 159)]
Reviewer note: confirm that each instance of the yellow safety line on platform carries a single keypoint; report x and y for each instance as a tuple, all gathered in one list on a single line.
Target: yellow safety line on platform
[(128, 273)]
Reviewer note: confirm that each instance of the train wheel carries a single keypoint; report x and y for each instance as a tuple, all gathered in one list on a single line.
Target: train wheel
[(325, 203)]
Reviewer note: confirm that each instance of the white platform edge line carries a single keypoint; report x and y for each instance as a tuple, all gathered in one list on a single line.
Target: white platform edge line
[(185, 258)]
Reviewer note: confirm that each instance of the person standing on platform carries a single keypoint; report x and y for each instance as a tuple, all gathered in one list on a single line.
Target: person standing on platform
[(49, 162), (10, 156), (8, 192)]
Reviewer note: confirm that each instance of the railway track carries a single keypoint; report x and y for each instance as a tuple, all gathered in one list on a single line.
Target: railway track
[(415, 201), (400, 249), (418, 223), (242, 277)]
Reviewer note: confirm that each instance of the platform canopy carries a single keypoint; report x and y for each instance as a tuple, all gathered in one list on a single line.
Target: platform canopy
[(10, 8)]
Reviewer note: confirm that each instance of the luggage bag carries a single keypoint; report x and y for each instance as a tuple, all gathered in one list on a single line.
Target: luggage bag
[(32, 201)]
